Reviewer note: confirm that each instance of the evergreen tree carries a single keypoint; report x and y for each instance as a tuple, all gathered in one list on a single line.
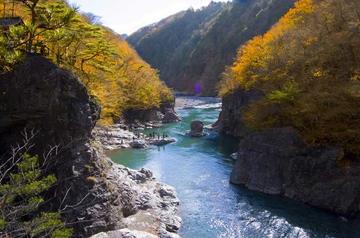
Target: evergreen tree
[(20, 200)]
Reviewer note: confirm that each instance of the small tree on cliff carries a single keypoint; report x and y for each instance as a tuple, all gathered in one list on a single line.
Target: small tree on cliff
[(22, 182)]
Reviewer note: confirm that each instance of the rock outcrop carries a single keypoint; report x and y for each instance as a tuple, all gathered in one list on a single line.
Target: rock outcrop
[(276, 161), (143, 203), (230, 120), (169, 113), (54, 108), (164, 114), (40, 95), (197, 129), (118, 137)]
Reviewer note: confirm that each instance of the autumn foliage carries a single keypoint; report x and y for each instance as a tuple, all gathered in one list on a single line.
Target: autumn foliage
[(308, 67), (110, 69)]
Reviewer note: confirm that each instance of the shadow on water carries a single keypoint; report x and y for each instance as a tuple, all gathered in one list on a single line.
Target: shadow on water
[(199, 169)]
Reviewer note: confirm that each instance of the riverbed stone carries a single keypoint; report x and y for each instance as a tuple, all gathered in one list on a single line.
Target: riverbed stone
[(124, 233), (161, 141), (138, 144), (234, 156), (197, 129)]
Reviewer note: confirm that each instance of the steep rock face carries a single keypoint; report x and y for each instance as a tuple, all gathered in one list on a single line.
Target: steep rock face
[(40, 95), (165, 114), (42, 99), (276, 161), (230, 120), (94, 194), (192, 48)]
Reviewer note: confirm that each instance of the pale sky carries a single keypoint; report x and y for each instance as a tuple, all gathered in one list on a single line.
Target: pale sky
[(127, 16)]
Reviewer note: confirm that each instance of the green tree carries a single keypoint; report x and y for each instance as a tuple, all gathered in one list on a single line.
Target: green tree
[(20, 200), (44, 16), (308, 68)]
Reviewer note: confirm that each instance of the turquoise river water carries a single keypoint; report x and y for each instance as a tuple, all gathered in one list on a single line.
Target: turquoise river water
[(200, 168)]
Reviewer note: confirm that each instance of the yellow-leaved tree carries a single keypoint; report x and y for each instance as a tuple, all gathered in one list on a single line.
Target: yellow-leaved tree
[(110, 69), (308, 67)]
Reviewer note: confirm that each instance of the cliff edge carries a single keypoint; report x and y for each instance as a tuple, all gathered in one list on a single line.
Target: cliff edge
[(277, 161), (51, 108)]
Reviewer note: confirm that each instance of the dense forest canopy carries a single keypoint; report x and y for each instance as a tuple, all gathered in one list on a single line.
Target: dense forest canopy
[(192, 48), (111, 70), (308, 67)]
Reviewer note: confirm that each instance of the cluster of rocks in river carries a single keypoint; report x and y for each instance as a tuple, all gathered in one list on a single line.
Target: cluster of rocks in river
[(277, 161), (118, 136), (95, 194), (122, 135)]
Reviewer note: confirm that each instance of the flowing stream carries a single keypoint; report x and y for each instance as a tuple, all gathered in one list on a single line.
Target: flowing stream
[(200, 168)]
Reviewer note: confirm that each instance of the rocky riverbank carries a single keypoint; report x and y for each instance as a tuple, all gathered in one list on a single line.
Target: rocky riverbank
[(49, 107), (119, 137), (278, 162), (144, 206)]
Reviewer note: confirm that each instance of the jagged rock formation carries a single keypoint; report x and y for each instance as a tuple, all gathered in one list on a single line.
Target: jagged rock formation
[(230, 121), (192, 48), (165, 114), (276, 161), (94, 194)]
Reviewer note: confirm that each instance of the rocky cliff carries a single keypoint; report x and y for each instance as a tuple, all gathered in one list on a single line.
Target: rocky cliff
[(230, 121), (164, 114), (49, 105), (277, 161)]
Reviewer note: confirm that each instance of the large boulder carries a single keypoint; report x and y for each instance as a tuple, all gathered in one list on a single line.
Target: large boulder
[(197, 129), (138, 144), (276, 161)]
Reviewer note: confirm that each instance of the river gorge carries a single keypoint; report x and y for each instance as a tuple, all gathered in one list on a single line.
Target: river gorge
[(200, 168)]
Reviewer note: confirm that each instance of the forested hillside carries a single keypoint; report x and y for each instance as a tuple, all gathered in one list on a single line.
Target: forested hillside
[(109, 68), (192, 48), (308, 67)]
